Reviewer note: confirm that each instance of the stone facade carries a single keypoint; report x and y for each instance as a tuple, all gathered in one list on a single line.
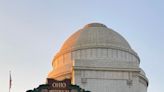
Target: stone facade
[(100, 60)]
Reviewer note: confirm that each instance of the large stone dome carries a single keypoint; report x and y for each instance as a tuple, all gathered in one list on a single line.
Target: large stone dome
[(95, 35), (100, 60)]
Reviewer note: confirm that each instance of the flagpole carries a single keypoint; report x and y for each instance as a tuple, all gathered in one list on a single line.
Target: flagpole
[(10, 80)]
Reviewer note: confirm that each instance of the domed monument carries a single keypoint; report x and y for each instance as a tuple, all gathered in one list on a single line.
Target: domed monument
[(100, 60)]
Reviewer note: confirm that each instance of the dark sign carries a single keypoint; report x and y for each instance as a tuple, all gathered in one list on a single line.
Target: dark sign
[(59, 86)]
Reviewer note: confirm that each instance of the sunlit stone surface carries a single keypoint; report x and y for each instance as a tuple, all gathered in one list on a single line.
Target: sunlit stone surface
[(100, 60)]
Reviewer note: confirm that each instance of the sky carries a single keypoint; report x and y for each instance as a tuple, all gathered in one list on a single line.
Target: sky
[(32, 31)]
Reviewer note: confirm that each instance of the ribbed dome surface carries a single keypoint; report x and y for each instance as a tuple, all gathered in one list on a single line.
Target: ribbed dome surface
[(95, 35)]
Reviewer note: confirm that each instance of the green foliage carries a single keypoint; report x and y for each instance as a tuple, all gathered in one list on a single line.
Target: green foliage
[(46, 86)]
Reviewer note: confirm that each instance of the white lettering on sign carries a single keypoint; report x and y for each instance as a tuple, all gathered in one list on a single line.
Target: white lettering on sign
[(59, 91), (59, 85)]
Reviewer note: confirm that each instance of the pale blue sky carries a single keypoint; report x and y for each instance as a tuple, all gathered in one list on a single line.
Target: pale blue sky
[(32, 31)]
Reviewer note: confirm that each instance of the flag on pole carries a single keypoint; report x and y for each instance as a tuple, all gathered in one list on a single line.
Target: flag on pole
[(10, 81)]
